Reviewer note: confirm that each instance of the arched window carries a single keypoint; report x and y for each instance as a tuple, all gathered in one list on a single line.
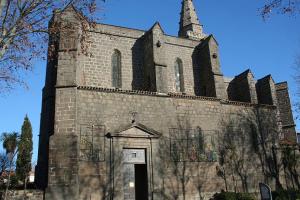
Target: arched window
[(116, 69), (179, 84)]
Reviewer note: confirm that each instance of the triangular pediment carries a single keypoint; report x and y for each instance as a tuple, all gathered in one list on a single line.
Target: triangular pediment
[(135, 131)]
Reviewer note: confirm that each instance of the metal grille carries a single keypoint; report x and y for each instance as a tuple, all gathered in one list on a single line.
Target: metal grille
[(190, 145), (92, 143)]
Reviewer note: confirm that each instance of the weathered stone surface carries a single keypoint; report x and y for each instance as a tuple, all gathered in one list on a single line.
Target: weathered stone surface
[(28, 194), (86, 123), (285, 110)]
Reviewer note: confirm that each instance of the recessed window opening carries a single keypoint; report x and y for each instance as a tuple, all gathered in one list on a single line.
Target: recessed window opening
[(116, 69)]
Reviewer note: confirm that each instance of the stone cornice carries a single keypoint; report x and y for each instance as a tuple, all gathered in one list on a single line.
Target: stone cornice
[(172, 95)]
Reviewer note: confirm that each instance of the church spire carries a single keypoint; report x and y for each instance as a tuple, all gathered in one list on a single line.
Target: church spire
[(190, 26)]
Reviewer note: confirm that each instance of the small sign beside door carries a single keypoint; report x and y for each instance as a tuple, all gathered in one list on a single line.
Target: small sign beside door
[(265, 191)]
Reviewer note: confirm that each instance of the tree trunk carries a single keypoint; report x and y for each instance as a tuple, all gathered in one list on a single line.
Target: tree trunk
[(25, 186), (8, 42), (8, 181)]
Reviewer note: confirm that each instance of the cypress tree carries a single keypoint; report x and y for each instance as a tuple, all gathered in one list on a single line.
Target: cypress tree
[(23, 165)]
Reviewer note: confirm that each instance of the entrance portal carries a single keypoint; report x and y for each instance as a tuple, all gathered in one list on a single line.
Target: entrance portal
[(141, 181), (135, 176)]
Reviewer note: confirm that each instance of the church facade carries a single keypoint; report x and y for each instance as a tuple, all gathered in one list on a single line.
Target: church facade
[(151, 116)]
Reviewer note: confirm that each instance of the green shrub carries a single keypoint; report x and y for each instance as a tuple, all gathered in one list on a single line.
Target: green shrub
[(13, 181), (286, 194), (246, 196), (225, 196), (233, 196)]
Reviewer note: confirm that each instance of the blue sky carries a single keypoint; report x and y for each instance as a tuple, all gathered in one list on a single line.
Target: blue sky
[(245, 41)]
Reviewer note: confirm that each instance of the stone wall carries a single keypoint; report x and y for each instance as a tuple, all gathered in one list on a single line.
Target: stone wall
[(47, 116), (129, 43), (19, 194), (266, 92), (96, 70), (84, 159), (70, 176), (113, 108), (286, 115), (242, 88)]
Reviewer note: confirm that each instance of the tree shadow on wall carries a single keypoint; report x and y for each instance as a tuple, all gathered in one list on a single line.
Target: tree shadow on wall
[(248, 142), (291, 161), (265, 140), (107, 172), (235, 158), (182, 167), (88, 175)]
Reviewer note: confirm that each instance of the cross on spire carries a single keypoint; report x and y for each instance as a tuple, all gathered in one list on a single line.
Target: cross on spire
[(189, 26)]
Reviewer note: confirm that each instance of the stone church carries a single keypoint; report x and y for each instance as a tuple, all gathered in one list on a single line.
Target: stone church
[(151, 116)]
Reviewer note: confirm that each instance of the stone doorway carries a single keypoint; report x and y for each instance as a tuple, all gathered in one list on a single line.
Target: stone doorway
[(135, 174), (141, 181)]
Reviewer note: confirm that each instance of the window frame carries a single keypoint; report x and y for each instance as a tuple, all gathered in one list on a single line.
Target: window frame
[(179, 78), (116, 69)]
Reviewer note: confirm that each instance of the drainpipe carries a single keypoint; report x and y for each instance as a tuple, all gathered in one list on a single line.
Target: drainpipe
[(152, 176)]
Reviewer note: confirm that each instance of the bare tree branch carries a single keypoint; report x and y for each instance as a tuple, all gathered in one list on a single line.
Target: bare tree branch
[(280, 7), (24, 30)]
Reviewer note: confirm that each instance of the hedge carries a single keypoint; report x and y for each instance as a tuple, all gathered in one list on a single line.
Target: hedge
[(233, 196)]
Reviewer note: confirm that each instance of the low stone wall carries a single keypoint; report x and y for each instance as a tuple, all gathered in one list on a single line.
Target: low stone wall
[(19, 195)]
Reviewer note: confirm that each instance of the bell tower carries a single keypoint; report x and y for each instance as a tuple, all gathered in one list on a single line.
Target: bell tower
[(189, 25)]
